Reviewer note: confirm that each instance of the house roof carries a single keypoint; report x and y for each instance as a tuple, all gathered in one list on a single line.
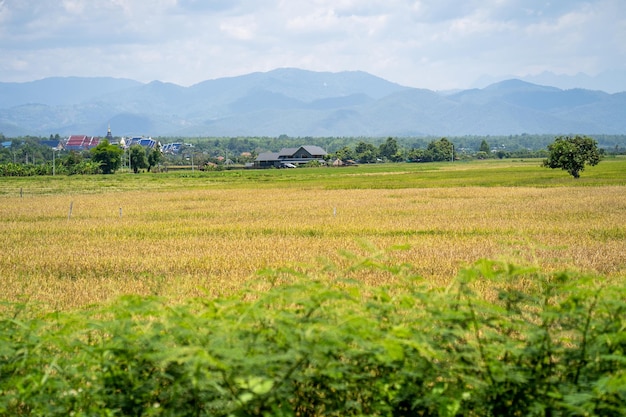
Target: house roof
[(268, 156), (140, 140), (287, 151), (76, 140), (312, 149), (315, 151), (55, 144), (82, 141)]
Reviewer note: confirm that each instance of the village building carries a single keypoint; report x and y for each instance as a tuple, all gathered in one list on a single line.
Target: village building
[(141, 141), (109, 136), (56, 145), (81, 142), (288, 157), (172, 148), (84, 142)]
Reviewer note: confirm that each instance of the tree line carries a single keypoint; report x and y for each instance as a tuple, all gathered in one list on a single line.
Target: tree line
[(30, 155)]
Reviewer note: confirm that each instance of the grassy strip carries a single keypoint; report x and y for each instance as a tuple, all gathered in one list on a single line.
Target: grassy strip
[(489, 173)]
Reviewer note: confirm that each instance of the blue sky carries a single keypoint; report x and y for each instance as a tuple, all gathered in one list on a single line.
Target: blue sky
[(435, 44)]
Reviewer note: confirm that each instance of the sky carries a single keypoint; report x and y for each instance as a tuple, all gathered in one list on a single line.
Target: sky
[(434, 44)]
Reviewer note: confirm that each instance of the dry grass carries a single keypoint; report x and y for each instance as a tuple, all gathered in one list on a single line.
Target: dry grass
[(187, 242)]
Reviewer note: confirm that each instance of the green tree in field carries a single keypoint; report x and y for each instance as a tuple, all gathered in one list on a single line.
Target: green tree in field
[(390, 150), (72, 159), (345, 153), (572, 154), (416, 155), (366, 152), (138, 159), (439, 150), (502, 154), (484, 151), (108, 156), (155, 156)]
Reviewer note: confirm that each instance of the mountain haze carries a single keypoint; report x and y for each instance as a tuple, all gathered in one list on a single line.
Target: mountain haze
[(301, 103), (60, 90), (613, 81)]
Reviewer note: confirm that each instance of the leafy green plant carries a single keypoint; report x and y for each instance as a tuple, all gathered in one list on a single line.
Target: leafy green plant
[(533, 344)]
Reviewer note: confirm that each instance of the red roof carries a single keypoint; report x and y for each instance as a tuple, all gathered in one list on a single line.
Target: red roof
[(76, 140), (93, 142), (82, 141)]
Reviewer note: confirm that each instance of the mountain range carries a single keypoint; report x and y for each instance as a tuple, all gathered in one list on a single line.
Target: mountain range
[(301, 103)]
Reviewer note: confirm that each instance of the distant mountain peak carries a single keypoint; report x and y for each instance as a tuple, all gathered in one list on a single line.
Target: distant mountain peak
[(514, 84), (611, 81)]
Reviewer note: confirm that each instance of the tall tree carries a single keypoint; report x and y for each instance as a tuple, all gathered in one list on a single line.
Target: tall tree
[(345, 153), (366, 152), (389, 150), (108, 156), (484, 151), (440, 150), (484, 147), (155, 156), (572, 154), (72, 159), (138, 159), (416, 155)]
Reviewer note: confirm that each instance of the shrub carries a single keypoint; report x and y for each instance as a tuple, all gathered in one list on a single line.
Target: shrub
[(532, 345), (313, 164)]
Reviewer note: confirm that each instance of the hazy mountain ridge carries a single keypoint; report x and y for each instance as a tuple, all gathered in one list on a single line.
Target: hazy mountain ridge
[(301, 103), (61, 90), (613, 81)]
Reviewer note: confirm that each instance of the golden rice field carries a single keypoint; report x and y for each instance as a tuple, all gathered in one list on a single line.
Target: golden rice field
[(179, 237)]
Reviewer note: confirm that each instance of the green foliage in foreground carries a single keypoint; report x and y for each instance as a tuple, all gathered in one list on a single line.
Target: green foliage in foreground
[(310, 347)]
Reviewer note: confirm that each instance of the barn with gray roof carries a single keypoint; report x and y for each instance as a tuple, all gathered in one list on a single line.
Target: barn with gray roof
[(295, 156)]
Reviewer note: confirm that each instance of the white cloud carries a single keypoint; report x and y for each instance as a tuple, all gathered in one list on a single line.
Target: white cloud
[(242, 28), (74, 6), (425, 43)]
